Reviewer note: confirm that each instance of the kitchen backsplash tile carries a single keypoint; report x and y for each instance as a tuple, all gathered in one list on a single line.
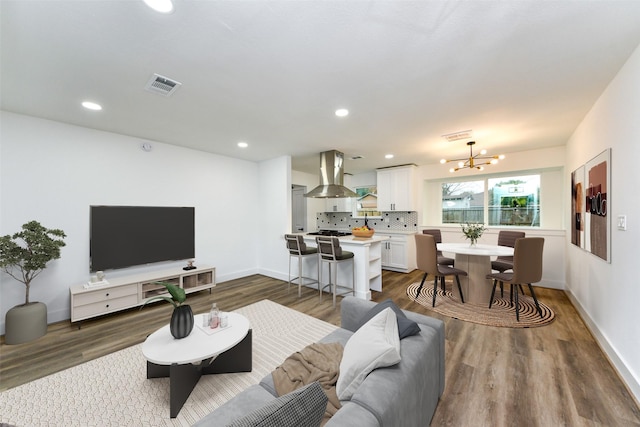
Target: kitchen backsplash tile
[(390, 221)]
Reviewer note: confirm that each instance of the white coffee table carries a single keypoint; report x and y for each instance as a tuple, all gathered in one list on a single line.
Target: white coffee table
[(185, 360)]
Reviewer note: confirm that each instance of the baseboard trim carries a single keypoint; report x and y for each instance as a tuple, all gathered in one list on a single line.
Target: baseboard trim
[(625, 375)]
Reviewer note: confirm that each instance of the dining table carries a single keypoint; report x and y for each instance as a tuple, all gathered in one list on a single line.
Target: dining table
[(476, 261)]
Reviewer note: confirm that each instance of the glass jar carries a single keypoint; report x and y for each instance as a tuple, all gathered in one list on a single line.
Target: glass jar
[(214, 316)]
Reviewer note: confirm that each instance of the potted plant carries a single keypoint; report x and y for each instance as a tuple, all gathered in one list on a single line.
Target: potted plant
[(23, 256), (181, 323), (473, 232)]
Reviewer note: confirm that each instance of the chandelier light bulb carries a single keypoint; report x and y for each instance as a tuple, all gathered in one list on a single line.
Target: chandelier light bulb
[(443, 161), (461, 164), (494, 161), (452, 170), (481, 168), (501, 156), (483, 152)]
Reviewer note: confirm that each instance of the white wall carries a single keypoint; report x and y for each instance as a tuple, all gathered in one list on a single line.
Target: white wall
[(314, 205), (364, 179), (273, 217), (608, 294), (52, 172)]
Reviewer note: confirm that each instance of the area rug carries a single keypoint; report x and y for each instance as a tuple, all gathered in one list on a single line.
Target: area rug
[(114, 391), (500, 314)]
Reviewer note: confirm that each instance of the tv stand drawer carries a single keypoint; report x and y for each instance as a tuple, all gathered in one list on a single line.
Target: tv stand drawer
[(106, 294), (104, 307)]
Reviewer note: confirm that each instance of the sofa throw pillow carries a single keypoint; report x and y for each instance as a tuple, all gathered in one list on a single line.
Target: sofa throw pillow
[(375, 345), (406, 327), (303, 407)]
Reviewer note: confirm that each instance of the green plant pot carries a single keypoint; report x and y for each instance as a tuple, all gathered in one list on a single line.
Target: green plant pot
[(24, 323)]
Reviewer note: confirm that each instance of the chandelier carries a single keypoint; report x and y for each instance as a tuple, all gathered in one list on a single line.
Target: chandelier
[(474, 162)]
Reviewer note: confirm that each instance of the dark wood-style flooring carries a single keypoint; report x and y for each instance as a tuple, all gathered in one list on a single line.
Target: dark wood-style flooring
[(550, 376)]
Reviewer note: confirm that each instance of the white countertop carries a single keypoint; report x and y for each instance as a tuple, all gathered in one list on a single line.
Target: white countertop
[(403, 232), (351, 240)]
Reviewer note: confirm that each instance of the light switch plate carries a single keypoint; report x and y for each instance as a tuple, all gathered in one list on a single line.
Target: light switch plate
[(622, 222)]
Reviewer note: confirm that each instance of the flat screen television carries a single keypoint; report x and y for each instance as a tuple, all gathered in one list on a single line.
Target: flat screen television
[(126, 236)]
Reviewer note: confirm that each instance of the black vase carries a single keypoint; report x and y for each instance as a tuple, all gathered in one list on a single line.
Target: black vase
[(181, 321)]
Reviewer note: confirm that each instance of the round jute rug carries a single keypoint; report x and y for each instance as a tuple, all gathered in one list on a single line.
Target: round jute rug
[(500, 314)]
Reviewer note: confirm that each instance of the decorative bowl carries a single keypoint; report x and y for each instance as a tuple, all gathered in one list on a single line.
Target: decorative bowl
[(362, 233)]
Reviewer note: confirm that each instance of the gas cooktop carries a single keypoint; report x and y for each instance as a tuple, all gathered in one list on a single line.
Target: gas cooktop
[(335, 233)]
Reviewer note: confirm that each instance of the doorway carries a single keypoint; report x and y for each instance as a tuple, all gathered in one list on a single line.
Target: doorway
[(298, 209)]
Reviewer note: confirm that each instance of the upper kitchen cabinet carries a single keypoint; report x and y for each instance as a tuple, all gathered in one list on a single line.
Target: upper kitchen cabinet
[(397, 189), (343, 204)]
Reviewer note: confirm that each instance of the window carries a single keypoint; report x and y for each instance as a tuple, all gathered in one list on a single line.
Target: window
[(463, 202), (367, 201), (514, 201), (510, 200)]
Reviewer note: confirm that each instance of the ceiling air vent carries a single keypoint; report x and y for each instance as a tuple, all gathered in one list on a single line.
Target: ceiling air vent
[(456, 136), (162, 85)]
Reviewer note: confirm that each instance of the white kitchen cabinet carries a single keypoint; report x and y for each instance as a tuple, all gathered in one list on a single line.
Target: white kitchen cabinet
[(397, 189), (399, 252), (343, 204)]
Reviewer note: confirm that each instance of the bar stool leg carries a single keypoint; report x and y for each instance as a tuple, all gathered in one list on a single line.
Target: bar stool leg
[(335, 285), (353, 277), (299, 276), (320, 287), (319, 275), (289, 283)]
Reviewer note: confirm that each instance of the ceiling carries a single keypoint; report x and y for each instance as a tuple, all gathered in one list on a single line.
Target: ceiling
[(519, 74)]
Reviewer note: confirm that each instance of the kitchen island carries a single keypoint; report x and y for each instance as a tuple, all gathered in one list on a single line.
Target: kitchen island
[(367, 254)]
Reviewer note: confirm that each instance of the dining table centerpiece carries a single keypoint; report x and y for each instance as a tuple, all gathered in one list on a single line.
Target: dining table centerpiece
[(473, 231)]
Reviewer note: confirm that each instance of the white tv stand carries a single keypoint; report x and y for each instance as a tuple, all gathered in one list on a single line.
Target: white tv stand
[(132, 291)]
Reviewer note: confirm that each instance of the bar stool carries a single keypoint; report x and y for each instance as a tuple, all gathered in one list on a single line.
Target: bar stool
[(330, 251), (297, 248)]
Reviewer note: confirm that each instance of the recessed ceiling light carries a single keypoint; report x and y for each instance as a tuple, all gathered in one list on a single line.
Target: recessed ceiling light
[(342, 112), (243, 144), (92, 106), (162, 6), (388, 156)]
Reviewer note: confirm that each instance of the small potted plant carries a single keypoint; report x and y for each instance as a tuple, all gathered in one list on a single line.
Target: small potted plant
[(23, 256), (181, 323), (473, 232)]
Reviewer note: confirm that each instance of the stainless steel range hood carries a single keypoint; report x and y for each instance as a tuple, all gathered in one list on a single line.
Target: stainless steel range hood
[(331, 177)]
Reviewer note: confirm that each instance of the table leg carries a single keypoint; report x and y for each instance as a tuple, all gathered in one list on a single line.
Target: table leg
[(182, 381), (237, 359), (183, 378), (475, 287)]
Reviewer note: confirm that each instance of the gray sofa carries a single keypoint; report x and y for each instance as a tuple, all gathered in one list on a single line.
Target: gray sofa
[(405, 394)]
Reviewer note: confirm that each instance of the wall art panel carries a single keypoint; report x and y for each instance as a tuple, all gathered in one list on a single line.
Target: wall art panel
[(597, 221)]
